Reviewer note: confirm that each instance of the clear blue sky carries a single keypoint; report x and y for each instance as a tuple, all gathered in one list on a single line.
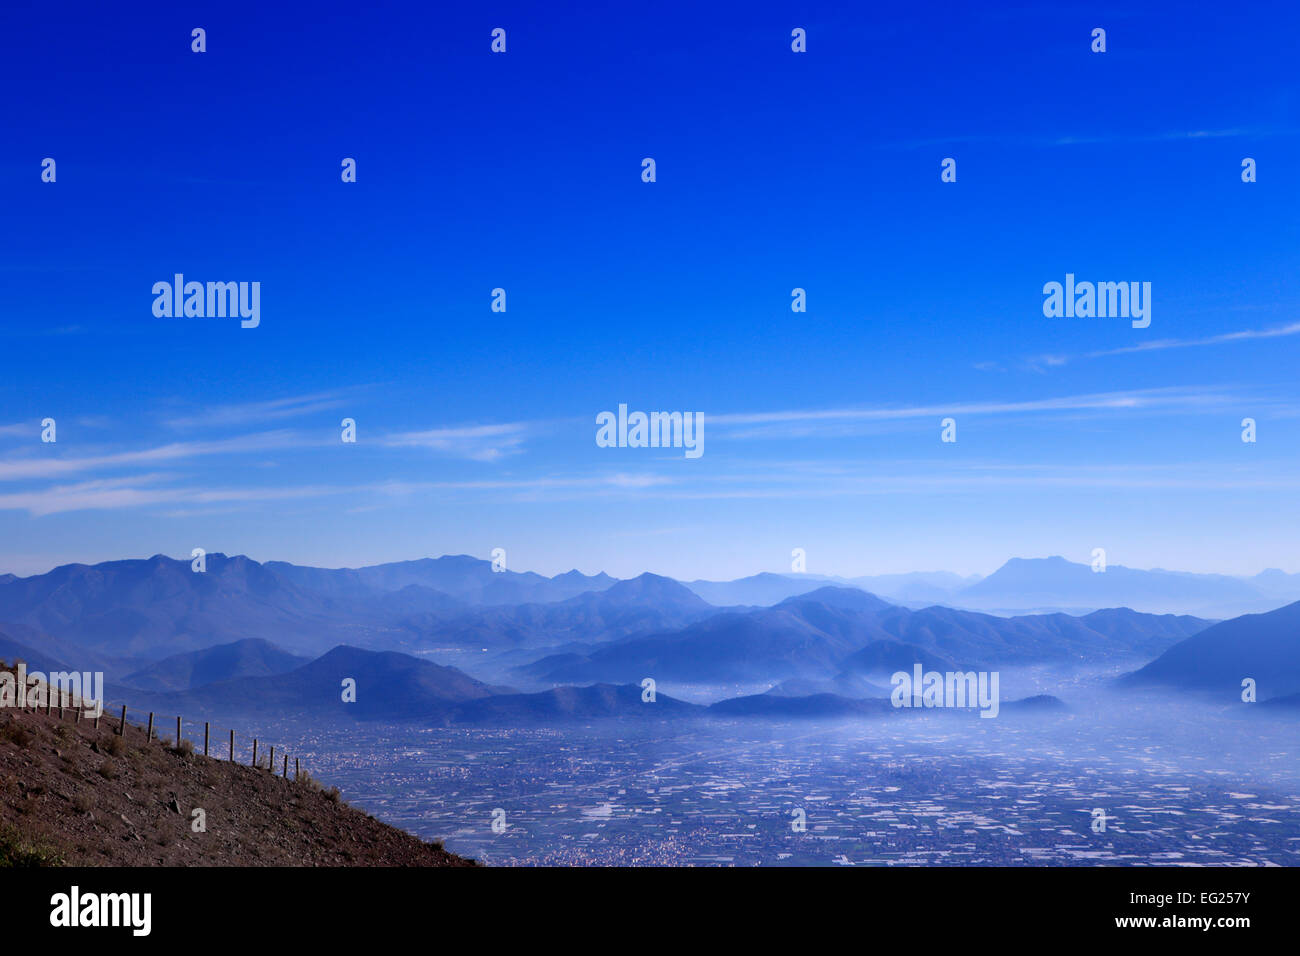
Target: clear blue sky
[(775, 170)]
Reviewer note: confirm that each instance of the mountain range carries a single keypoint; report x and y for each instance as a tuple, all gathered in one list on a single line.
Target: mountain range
[(1035, 585), (833, 630), (278, 637)]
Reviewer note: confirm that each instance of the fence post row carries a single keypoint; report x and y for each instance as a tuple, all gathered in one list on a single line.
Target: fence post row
[(207, 736)]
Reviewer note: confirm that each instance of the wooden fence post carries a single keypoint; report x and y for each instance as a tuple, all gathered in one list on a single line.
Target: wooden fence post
[(205, 738), (254, 752), (270, 764), (286, 767), (121, 729), (150, 736), (297, 770), (232, 745)]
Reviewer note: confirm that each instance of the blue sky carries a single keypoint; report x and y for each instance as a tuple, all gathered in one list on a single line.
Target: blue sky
[(775, 170)]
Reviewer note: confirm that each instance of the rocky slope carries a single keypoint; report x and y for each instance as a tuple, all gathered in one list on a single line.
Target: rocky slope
[(76, 795)]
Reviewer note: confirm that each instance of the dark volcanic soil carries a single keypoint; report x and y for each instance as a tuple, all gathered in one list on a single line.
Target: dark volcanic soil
[(70, 794)]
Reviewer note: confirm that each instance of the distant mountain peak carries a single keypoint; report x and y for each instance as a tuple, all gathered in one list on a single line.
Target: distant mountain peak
[(851, 599)]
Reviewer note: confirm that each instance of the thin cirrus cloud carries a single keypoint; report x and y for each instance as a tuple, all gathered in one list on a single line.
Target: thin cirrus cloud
[(476, 442), (138, 492), (1065, 139), (154, 490), (813, 479), (251, 412), (1245, 335), (813, 422), (100, 489), (30, 467)]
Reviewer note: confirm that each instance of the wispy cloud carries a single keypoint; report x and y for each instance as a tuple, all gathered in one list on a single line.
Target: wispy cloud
[(1245, 335), (1051, 141), (137, 492), (245, 413), (158, 489), (476, 442), (15, 469), (809, 422)]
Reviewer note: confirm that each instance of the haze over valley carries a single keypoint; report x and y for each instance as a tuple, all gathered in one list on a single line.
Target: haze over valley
[(694, 717)]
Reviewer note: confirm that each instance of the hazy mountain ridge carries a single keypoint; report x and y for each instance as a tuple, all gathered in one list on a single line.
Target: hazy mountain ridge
[(645, 603), (1034, 585), (815, 635), (1263, 647), (1056, 582), (145, 609), (466, 580), (253, 657), (256, 637), (388, 686)]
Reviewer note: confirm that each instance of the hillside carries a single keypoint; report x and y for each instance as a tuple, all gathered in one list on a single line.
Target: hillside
[(252, 657), (389, 686), (74, 795), (1260, 646)]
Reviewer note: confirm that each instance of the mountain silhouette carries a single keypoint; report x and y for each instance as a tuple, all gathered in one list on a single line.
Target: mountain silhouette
[(1263, 647), (815, 636), (389, 686), (1055, 583), (248, 658)]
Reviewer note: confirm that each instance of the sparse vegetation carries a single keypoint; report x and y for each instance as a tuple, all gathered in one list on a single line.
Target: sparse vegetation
[(75, 794), (16, 734), (18, 851)]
